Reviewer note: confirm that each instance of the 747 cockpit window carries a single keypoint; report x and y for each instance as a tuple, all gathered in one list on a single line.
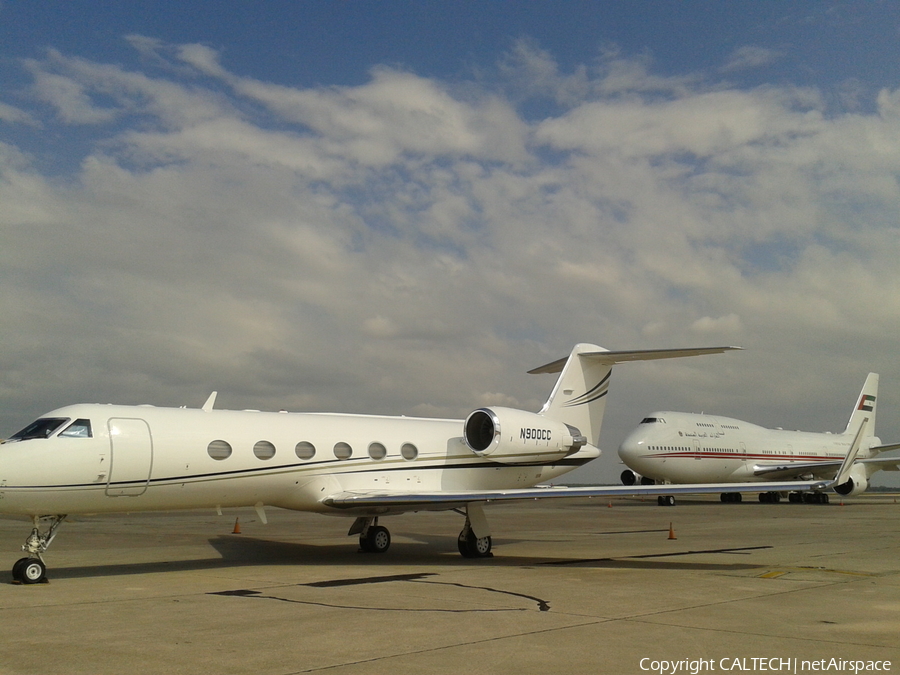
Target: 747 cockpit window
[(42, 428), (78, 429), (652, 420)]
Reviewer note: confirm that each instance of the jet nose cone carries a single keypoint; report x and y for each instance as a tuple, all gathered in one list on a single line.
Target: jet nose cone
[(631, 447)]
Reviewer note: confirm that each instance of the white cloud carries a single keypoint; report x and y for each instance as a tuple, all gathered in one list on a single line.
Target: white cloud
[(405, 246), (14, 115), (723, 325), (750, 56)]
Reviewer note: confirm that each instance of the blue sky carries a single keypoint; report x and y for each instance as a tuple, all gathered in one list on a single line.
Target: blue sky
[(337, 43), (401, 207)]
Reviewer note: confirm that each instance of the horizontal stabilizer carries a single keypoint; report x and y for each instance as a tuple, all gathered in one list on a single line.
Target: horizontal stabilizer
[(878, 449), (634, 355)]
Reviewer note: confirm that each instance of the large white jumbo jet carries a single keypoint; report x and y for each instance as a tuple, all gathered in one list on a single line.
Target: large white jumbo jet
[(108, 458), (677, 447)]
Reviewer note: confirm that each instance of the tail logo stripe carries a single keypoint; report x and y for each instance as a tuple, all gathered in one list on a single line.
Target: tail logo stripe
[(597, 391), (572, 404)]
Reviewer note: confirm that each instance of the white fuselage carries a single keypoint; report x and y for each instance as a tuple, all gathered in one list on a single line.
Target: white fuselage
[(147, 458), (689, 448)]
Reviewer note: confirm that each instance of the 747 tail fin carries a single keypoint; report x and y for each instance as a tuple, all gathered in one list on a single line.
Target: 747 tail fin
[(865, 407)]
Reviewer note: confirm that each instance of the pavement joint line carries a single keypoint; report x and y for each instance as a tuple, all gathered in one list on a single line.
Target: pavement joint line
[(759, 634), (597, 621), (456, 645), (636, 618)]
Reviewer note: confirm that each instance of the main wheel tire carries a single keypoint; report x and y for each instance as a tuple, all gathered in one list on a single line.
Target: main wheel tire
[(376, 540), (471, 546)]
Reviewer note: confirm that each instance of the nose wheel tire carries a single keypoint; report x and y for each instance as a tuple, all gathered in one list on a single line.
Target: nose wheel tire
[(29, 571)]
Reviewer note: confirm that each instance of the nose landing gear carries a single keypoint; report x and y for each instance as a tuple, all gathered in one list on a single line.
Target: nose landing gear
[(32, 569)]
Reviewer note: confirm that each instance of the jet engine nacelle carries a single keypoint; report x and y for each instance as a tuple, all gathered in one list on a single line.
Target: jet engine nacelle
[(513, 436), (629, 477), (857, 483)]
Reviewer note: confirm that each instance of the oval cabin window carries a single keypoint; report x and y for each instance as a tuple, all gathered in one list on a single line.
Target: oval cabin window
[(377, 451), (305, 450), (264, 450), (219, 450)]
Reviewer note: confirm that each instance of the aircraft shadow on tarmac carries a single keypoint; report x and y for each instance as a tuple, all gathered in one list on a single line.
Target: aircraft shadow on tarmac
[(423, 552)]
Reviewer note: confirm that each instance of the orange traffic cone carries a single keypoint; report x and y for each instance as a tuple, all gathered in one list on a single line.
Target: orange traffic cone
[(237, 526), (672, 532)]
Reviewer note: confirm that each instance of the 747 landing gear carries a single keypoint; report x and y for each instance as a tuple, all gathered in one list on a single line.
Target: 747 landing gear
[(31, 569)]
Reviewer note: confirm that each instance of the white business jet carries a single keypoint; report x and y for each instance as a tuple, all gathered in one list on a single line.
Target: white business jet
[(107, 458), (677, 447)]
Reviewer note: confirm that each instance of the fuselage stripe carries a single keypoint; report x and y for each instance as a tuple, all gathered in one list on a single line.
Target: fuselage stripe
[(291, 468)]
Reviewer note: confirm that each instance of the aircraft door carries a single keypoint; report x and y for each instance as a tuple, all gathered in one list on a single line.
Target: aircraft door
[(131, 457)]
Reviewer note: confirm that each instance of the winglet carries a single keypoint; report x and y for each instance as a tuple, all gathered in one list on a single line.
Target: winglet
[(210, 402), (843, 473)]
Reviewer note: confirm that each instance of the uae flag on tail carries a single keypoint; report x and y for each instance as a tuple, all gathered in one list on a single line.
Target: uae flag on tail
[(867, 403)]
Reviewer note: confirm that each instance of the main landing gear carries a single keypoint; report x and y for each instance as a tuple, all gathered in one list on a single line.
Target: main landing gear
[(775, 497), (808, 498), (472, 546), (374, 538), (32, 569)]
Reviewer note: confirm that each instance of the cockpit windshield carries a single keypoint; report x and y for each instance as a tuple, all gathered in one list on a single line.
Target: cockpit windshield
[(42, 428), (653, 420), (78, 429)]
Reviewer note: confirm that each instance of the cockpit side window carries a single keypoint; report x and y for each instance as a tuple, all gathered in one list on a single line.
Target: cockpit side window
[(78, 429), (652, 420), (42, 428)]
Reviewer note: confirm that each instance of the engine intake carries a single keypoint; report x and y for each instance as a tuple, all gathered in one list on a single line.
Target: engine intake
[(629, 477), (513, 436)]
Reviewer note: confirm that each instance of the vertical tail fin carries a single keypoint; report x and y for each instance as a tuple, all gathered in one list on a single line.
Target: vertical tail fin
[(579, 397), (865, 407)]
